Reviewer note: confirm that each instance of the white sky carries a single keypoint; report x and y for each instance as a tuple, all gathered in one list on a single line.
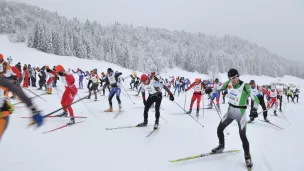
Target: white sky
[(278, 25)]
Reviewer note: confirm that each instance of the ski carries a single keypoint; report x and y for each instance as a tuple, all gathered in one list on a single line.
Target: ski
[(64, 126), (57, 117), (154, 130), (204, 155), (123, 127), (119, 112), (271, 124)]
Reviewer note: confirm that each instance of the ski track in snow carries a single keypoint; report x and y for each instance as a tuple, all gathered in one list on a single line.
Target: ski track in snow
[(88, 146)]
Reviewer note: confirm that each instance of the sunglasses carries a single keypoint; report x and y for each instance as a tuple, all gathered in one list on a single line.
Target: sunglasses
[(233, 78)]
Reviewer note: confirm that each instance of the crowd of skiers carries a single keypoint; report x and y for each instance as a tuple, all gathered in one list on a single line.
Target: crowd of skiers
[(237, 92)]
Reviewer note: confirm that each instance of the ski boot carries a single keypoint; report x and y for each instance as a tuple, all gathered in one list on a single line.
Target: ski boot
[(95, 99), (143, 124), (275, 113), (109, 110), (223, 103), (197, 113), (156, 125), (64, 114), (89, 97), (220, 148), (72, 121), (266, 120), (120, 108), (189, 112), (49, 91), (248, 161)]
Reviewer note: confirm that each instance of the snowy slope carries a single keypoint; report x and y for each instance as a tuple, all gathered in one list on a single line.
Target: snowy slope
[(88, 146)]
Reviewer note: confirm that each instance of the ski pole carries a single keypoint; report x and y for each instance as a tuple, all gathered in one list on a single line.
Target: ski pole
[(219, 114), (35, 94), (189, 114), (203, 106), (127, 94), (285, 118), (32, 123), (29, 98)]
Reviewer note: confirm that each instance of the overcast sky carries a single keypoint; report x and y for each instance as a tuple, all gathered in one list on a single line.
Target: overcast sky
[(277, 25)]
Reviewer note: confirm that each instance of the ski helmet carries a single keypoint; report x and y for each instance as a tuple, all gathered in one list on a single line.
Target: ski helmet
[(153, 73), (232, 73), (59, 68), (1, 56), (252, 82), (272, 87), (110, 70), (143, 77), (197, 80), (216, 80)]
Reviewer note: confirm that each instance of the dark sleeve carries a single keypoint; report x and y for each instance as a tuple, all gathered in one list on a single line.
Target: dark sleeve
[(167, 89), (118, 74), (74, 72), (16, 90)]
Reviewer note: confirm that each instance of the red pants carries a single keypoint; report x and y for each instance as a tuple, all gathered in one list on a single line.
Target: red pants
[(198, 97), (274, 102), (25, 82), (68, 98)]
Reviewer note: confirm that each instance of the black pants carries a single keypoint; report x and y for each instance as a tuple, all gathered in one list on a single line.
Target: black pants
[(153, 99), (94, 89), (262, 103), (33, 80), (296, 96), (136, 85), (288, 97), (42, 83), (280, 98), (233, 114), (132, 82)]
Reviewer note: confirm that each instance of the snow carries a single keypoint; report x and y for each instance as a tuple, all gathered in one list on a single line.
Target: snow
[(88, 146)]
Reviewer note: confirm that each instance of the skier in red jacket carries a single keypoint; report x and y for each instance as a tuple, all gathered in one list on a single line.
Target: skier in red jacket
[(69, 94), (198, 87)]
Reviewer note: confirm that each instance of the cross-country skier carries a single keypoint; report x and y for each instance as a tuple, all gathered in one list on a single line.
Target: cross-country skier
[(198, 87), (154, 88), (133, 76), (113, 81), (238, 93), (69, 94), (289, 94), (296, 95), (80, 74), (215, 94), (7, 108), (42, 78), (272, 99), (258, 91), (94, 79), (177, 84)]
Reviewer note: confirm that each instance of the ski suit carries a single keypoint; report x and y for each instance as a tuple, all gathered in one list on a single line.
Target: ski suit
[(238, 96), (197, 94), (69, 93), (25, 78), (272, 96), (177, 85), (216, 87), (94, 78), (80, 77), (51, 78), (114, 82)]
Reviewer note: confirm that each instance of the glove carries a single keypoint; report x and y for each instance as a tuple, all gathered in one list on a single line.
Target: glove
[(268, 98), (37, 118), (171, 97), (254, 112)]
